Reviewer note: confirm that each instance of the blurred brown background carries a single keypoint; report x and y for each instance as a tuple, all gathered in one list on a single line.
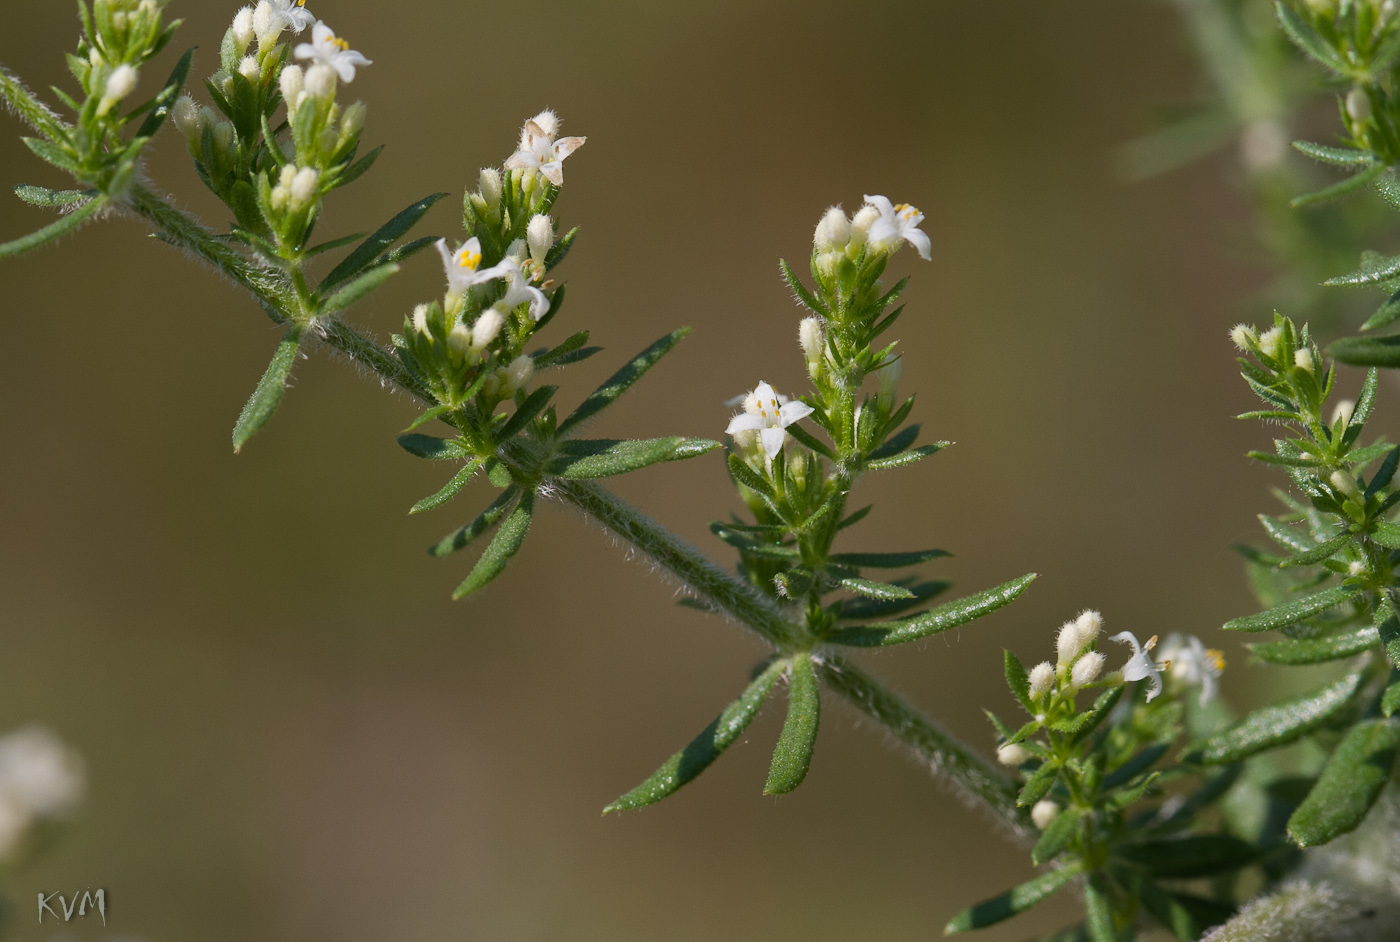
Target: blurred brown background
[(292, 733)]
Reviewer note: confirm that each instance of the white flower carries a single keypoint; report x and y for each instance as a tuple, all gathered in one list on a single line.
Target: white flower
[(1012, 754), (519, 290), (1089, 623), (294, 13), (463, 266), (538, 148), (897, 223), (39, 774), (1086, 669), (1141, 666), (328, 49), (1042, 678), (768, 414), (1191, 662), (539, 234), (1044, 813)]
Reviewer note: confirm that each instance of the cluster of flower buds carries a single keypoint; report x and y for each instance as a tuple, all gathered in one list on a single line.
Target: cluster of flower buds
[(472, 342), (124, 32)]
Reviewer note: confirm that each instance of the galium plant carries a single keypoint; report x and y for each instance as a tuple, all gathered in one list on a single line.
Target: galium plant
[(1130, 783)]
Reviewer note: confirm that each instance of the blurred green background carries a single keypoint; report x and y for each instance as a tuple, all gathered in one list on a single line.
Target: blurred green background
[(292, 733)]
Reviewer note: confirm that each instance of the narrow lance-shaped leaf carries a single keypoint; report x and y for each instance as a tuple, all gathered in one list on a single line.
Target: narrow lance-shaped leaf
[(268, 395), (358, 288), (1317, 650), (888, 560), (505, 545), (617, 384), (52, 199), (1351, 184), (945, 616), (1307, 39), (1199, 855), (1055, 838), (385, 236), (1318, 554), (1336, 156), (1098, 912), (449, 490), (488, 518), (1018, 681), (1013, 902), (685, 765), (580, 459), (53, 231), (906, 458), (876, 590), (1381, 352), (1290, 613), (1349, 785), (793, 756), (432, 448), (32, 111), (525, 412), (160, 108), (1278, 725)]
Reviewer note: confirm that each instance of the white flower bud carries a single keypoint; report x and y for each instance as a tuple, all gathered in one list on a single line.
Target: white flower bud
[(120, 83), (291, 82), (490, 185), (833, 232), (1269, 342), (811, 335), (1345, 483), (516, 250), (1358, 105), (304, 186), (250, 69), (119, 21), (1089, 623), (188, 120), (420, 319), (243, 32), (459, 339), (1012, 754), (268, 24), (861, 223), (1356, 568), (826, 264), (1303, 359), (353, 121), (487, 328), (223, 136), (320, 81), (547, 121), (1243, 336), (1086, 669), (540, 234), (1044, 813), (147, 8), (520, 370), (889, 383), (1042, 678), (1343, 411), (1067, 644)]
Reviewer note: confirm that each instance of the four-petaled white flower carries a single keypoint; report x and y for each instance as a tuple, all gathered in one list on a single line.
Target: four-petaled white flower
[(519, 290), (1191, 662), (1141, 666), (329, 49), (463, 266), (539, 150), (768, 414), (294, 13), (896, 223)]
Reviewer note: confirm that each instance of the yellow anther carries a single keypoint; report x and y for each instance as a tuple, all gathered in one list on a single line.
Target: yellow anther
[(339, 43), (1151, 643), (471, 260), (1216, 658)]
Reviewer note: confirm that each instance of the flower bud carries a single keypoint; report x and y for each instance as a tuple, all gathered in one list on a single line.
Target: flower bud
[(291, 82), (1269, 342), (1013, 754), (188, 120), (1345, 483), (1343, 411), (516, 250), (889, 383), (353, 121), (1356, 568), (811, 335), (119, 21), (1303, 359), (459, 339), (1086, 669), (268, 24), (826, 264), (487, 328), (1044, 813), (320, 81), (420, 319), (1042, 678), (490, 186), (304, 186), (521, 369), (1089, 623), (223, 137), (833, 232), (1067, 644), (243, 32), (861, 223), (120, 83), (1358, 105), (250, 69), (1243, 336), (540, 234)]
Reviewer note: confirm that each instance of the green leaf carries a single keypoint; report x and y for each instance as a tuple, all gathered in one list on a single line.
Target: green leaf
[(32, 111), (1318, 553), (935, 620), (1055, 838), (1275, 726), (505, 545), (906, 458), (387, 234), (919, 593), (1385, 473), (1349, 785), (359, 168), (748, 477), (488, 518), (1386, 534), (1201, 855), (1018, 681), (1390, 702), (1013, 902), (54, 231), (1291, 613), (1374, 270), (1038, 785), (525, 413), (580, 459), (436, 412), (1336, 156), (268, 395), (1186, 917), (898, 443), (1382, 352), (449, 491), (799, 290), (52, 199), (334, 244), (704, 749), (876, 590), (1385, 314), (1306, 38), (617, 384), (568, 346), (1316, 650), (1388, 623), (888, 560), (358, 288), (160, 107), (1338, 190), (793, 756), (433, 448), (1098, 913)]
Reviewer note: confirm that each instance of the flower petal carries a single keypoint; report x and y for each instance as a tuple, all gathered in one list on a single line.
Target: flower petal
[(553, 172), (773, 439), (883, 232), (764, 393), (919, 239), (566, 146), (794, 411), (881, 203), (744, 422), (520, 160)]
